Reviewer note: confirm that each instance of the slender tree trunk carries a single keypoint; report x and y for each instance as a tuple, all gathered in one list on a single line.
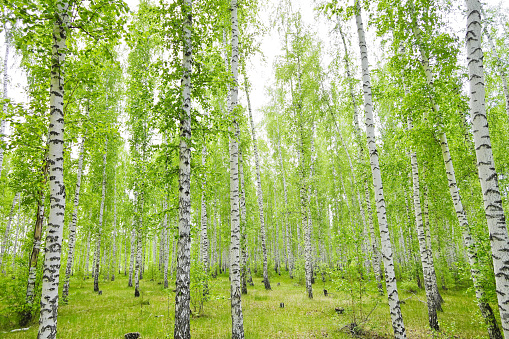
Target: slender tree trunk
[(243, 224), (182, 328), (133, 245), (392, 290), (494, 211), (140, 255), (259, 193), (51, 270), (114, 234), (34, 256), (87, 269), (5, 241), (72, 226), (204, 236), (289, 253), (377, 267), (486, 311), (421, 235), (304, 206), (166, 230), (99, 232), (5, 96), (235, 291), (20, 224)]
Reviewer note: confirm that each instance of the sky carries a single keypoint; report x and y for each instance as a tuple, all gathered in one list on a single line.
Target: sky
[(260, 70)]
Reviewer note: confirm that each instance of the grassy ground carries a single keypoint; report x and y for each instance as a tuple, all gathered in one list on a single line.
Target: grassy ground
[(116, 312)]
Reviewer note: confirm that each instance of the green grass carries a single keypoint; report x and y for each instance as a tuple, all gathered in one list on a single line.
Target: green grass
[(116, 312)]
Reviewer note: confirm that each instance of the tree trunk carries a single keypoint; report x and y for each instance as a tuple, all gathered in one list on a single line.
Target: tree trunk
[(392, 290), (494, 211), (259, 193), (34, 256), (99, 231), (243, 224), (16, 237), (51, 270), (289, 253), (487, 313), (5, 241), (140, 256), (421, 235), (235, 291), (133, 244), (204, 235), (166, 230), (74, 219), (182, 328)]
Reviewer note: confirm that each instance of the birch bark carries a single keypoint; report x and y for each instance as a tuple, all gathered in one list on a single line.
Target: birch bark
[(166, 230), (51, 270), (204, 236), (182, 296), (99, 231), (421, 235), (259, 193), (243, 224), (235, 291), (74, 219), (494, 211), (392, 290), (114, 234)]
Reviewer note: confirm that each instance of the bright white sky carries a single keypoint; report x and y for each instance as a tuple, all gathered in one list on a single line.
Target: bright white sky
[(260, 71)]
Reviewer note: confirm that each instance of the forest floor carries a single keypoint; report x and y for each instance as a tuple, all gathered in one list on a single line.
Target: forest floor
[(116, 312)]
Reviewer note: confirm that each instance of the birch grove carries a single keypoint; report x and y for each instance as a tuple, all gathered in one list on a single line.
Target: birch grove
[(357, 177)]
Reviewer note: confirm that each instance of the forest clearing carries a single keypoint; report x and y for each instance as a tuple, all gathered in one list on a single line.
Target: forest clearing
[(254, 169)]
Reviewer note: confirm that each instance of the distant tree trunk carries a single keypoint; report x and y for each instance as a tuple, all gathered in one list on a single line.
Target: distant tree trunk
[(493, 208), (182, 328), (72, 225), (243, 224), (16, 237), (133, 245), (5, 241), (204, 236), (51, 270), (114, 234), (140, 256), (166, 230), (34, 256), (99, 232), (392, 290), (87, 268), (235, 291), (259, 193), (421, 235), (304, 206), (289, 253), (5, 96)]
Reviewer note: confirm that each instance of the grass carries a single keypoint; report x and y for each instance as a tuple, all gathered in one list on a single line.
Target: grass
[(117, 312)]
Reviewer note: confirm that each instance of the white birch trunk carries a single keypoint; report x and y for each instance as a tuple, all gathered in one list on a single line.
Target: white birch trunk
[(182, 328), (494, 211), (87, 268), (204, 236), (36, 247), (20, 225), (243, 224), (259, 193), (74, 219), (392, 290), (99, 231), (140, 254), (166, 230), (51, 270), (114, 234), (421, 236), (289, 253), (5, 241), (486, 311), (235, 291)]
